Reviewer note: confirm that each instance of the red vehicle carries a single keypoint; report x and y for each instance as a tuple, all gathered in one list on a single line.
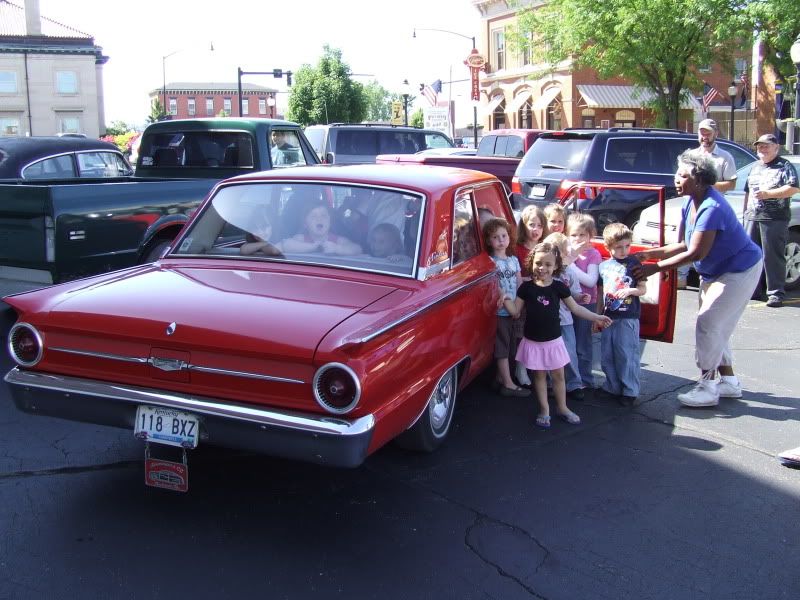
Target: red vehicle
[(281, 322)]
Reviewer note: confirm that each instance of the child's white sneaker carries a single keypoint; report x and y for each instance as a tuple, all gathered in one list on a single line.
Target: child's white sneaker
[(702, 394), (522, 374), (729, 389)]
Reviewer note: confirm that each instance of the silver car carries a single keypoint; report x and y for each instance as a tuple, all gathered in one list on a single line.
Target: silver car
[(647, 229)]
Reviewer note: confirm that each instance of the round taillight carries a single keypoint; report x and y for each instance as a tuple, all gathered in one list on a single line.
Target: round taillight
[(336, 388), (25, 344)]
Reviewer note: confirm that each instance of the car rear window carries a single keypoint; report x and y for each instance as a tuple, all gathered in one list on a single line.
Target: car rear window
[(565, 154)]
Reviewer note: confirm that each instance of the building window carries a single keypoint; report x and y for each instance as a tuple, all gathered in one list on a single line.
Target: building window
[(245, 106), (525, 115), (9, 126), (191, 108), (66, 82), (210, 107), (262, 106), (625, 118), (69, 123), (499, 49), (741, 68), (526, 50), (173, 106), (226, 106), (499, 116), (587, 118), (8, 82), (704, 69), (554, 115)]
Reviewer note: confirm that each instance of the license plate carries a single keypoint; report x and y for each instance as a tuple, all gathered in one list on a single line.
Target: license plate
[(167, 426), (537, 191)]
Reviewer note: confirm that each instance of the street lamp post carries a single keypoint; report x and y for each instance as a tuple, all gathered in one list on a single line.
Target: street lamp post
[(732, 95), (794, 52), (474, 108), (405, 95), (164, 81)]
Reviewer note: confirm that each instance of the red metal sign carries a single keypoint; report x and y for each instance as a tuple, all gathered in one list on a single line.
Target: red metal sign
[(166, 474), (475, 62)]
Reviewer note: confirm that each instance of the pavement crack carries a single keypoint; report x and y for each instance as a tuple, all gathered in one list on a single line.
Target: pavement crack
[(125, 464)]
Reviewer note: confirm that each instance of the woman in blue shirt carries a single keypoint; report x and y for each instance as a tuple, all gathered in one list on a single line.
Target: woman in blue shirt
[(729, 264)]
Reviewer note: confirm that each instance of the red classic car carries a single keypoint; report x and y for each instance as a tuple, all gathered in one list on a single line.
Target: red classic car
[(314, 313)]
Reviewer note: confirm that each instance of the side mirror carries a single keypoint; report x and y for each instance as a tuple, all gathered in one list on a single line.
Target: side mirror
[(330, 158)]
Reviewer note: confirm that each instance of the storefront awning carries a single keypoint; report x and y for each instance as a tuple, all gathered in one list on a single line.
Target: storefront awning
[(488, 109), (623, 96), (518, 101), (546, 98)]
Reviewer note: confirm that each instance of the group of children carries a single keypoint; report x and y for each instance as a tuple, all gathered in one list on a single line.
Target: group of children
[(550, 275)]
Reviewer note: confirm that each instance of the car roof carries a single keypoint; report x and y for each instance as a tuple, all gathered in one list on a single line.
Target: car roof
[(17, 151), (216, 124), (376, 126), (411, 176), (520, 132)]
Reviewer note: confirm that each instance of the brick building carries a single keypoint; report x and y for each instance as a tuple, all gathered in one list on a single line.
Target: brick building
[(192, 100), (514, 94), (51, 75)]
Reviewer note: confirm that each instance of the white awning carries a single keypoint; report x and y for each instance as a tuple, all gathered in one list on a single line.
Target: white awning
[(624, 96), (546, 98), (488, 109), (518, 101)]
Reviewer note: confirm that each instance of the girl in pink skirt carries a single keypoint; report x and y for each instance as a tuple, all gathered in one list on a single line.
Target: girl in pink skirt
[(542, 349)]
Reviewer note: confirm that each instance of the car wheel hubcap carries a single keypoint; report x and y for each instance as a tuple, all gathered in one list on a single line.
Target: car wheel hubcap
[(792, 262), (441, 403)]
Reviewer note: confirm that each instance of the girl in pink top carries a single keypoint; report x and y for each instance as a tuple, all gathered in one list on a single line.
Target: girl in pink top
[(580, 230)]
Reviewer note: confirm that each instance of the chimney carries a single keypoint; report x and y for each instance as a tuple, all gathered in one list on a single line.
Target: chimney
[(33, 23)]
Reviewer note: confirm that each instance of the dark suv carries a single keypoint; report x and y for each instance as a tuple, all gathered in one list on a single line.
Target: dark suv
[(346, 143), (556, 164)]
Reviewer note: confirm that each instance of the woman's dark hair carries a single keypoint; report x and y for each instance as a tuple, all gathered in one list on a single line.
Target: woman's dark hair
[(701, 167)]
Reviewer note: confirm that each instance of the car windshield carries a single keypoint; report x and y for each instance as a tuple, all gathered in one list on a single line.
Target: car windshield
[(356, 227), (556, 153)]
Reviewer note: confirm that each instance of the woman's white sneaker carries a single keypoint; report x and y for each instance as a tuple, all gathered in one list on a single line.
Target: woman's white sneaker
[(728, 389), (702, 394)]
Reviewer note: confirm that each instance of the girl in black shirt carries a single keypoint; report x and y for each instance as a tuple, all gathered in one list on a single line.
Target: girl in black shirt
[(542, 349)]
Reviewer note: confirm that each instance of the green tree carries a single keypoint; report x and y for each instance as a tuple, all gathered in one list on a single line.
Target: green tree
[(326, 93), (417, 119), (119, 128), (656, 44), (378, 101), (777, 22), (156, 111)]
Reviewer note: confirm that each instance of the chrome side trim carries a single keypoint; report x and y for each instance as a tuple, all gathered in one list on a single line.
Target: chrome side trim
[(133, 359), (325, 425), (422, 309), (244, 374), (155, 362)]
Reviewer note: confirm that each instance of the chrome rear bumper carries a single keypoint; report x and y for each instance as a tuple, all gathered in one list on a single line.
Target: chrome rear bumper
[(331, 441)]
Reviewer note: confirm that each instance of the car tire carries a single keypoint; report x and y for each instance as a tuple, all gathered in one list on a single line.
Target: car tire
[(431, 428), (792, 253), (154, 250)]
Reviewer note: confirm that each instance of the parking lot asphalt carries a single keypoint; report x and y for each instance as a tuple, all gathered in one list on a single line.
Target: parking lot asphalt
[(656, 502)]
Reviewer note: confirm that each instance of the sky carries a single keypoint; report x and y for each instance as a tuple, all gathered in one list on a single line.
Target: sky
[(375, 38)]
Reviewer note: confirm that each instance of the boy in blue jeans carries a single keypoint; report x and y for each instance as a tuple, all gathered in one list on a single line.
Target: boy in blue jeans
[(619, 343)]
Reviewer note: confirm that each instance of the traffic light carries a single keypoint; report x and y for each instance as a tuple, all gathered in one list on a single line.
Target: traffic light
[(288, 78)]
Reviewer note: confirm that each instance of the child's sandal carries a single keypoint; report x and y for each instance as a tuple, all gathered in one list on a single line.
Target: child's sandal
[(543, 421), (571, 418)]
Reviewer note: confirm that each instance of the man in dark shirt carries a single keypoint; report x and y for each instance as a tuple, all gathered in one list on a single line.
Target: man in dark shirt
[(768, 191)]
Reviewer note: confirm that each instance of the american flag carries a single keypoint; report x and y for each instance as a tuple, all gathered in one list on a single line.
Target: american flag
[(745, 91), (709, 93), (431, 92)]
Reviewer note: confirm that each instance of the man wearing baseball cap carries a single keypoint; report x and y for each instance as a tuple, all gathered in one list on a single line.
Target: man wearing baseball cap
[(707, 133), (767, 194)]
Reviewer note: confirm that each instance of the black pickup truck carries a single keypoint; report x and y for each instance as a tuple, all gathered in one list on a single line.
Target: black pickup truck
[(55, 230)]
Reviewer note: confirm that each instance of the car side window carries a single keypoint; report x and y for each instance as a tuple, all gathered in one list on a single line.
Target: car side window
[(486, 145), (514, 147), (740, 157), (55, 167), (101, 164), (465, 233), (285, 149)]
